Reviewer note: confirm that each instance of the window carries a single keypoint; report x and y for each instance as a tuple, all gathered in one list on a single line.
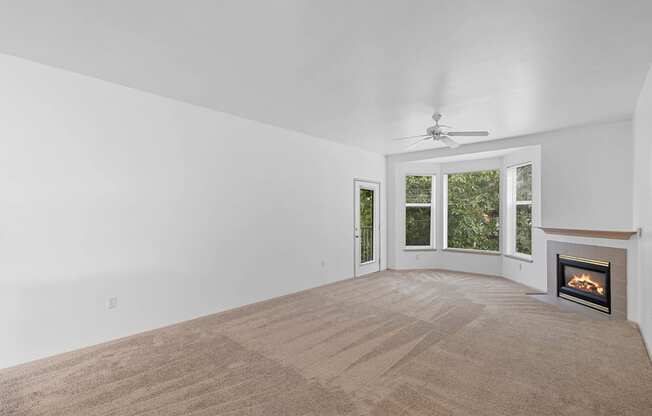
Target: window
[(419, 211), (366, 225), (472, 214), (520, 209)]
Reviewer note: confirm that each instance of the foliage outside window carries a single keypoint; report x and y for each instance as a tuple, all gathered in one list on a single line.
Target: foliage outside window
[(419, 197), (473, 210), (366, 225), (521, 215)]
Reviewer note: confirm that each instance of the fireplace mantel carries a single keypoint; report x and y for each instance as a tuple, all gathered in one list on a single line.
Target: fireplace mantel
[(611, 234)]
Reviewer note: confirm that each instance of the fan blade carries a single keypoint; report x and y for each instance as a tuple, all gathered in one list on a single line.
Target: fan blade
[(449, 142), (467, 133), (413, 145), (412, 137)]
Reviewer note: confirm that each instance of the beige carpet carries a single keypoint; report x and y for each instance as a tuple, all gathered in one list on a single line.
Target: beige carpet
[(397, 343)]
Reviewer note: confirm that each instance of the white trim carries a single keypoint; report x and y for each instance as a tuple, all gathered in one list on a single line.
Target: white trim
[(510, 220), (444, 208), (519, 256), (519, 165), (474, 251)]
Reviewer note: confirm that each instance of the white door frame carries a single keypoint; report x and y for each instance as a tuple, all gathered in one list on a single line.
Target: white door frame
[(363, 269)]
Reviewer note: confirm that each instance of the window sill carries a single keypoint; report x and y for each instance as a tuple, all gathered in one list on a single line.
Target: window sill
[(415, 248), (527, 259), (472, 251)]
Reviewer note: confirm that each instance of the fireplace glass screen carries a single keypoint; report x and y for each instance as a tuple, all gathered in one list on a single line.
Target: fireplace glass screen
[(587, 281), (584, 281)]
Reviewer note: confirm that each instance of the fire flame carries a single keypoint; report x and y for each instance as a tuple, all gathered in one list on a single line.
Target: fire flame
[(585, 283)]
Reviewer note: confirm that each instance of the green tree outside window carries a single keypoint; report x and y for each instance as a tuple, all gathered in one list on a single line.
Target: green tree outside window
[(474, 210), (418, 211)]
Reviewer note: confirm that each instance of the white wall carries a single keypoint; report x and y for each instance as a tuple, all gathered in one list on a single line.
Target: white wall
[(643, 203), (587, 177), (177, 210)]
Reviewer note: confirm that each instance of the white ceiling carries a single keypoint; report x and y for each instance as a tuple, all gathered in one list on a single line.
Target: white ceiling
[(358, 72)]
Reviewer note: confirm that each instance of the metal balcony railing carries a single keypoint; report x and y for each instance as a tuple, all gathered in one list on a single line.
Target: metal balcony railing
[(366, 244)]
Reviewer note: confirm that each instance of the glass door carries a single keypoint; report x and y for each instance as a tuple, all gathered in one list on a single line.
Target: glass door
[(367, 228)]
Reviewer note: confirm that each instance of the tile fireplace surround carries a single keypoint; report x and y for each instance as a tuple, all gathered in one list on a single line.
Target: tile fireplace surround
[(618, 259)]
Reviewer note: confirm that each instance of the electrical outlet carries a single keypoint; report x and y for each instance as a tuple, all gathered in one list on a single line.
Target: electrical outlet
[(112, 302)]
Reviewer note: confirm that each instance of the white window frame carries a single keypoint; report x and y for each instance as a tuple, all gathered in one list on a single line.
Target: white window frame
[(433, 209), (512, 204), (445, 213)]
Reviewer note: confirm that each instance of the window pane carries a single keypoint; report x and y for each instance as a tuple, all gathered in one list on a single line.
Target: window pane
[(524, 183), (474, 210), (366, 225), (417, 226), (418, 189), (524, 229)]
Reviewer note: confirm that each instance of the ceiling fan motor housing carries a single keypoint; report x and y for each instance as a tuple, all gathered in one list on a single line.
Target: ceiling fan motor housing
[(434, 131), (437, 133)]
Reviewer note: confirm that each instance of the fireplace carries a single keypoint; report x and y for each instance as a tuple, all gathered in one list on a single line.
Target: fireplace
[(584, 281)]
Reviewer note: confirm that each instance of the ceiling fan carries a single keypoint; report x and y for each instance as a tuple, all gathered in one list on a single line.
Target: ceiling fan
[(438, 134)]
